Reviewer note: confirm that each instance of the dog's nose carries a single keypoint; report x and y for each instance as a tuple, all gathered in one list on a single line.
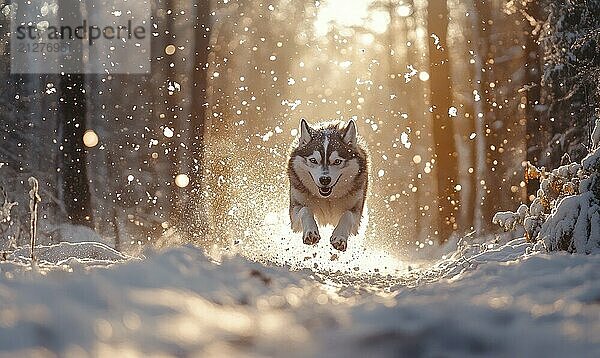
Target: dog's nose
[(325, 180)]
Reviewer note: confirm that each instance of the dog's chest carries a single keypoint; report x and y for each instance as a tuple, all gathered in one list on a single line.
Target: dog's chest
[(329, 211)]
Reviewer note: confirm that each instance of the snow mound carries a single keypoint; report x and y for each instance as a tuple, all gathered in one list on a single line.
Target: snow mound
[(75, 233), (83, 252), (178, 303)]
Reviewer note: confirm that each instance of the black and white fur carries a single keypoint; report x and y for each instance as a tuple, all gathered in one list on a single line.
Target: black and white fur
[(328, 173)]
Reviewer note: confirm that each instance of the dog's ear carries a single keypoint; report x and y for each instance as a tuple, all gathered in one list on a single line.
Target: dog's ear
[(350, 133), (305, 132)]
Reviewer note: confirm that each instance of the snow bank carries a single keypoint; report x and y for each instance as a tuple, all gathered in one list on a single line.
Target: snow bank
[(73, 233), (481, 300), (178, 303), (57, 254)]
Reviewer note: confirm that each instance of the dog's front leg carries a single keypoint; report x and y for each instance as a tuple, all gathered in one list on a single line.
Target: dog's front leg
[(345, 227), (304, 218)]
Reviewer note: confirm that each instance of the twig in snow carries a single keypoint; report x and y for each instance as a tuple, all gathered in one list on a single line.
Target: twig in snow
[(34, 200)]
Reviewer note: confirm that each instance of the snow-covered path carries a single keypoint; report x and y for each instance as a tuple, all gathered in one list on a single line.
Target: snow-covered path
[(502, 302)]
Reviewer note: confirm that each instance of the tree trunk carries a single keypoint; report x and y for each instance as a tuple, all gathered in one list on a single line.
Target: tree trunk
[(75, 185), (481, 48), (196, 217), (443, 127), (72, 126), (533, 94)]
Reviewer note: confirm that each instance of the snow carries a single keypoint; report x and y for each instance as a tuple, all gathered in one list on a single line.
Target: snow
[(90, 253), (487, 299), (574, 226), (565, 214), (509, 220)]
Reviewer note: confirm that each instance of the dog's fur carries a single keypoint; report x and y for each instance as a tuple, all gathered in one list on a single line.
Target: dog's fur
[(336, 152)]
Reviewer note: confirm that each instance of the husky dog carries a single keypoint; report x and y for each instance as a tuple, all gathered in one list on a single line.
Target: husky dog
[(328, 173)]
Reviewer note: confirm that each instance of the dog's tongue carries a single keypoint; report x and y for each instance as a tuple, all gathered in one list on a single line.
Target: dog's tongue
[(325, 191)]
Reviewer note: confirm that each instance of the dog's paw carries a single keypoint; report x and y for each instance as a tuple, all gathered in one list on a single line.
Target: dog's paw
[(311, 237), (339, 243)]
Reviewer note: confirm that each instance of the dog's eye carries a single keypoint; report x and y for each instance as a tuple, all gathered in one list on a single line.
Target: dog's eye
[(313, 160), (337, 162)]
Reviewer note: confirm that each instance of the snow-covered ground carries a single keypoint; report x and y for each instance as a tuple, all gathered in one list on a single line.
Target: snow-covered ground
[(509, 300)]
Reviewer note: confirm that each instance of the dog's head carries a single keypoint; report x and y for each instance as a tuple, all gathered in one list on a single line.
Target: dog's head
[(327, 160)]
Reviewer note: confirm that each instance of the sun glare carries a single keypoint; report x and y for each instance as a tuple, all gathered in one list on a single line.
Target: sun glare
[(345, 15)]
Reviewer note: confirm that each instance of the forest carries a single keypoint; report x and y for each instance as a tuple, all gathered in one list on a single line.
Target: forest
[(162, 150)]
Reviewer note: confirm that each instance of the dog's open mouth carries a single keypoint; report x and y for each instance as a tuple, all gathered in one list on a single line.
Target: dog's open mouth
[(325, 191)]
